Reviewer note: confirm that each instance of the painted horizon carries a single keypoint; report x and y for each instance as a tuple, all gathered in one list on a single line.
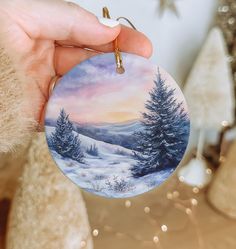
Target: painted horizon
[(107, 112), (99, 84)]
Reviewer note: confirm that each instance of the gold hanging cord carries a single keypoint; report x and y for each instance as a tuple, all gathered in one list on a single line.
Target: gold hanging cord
[(119, 63)]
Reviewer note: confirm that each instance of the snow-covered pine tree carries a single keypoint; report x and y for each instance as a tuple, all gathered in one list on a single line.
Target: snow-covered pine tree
[(163, 140), (64, 141)]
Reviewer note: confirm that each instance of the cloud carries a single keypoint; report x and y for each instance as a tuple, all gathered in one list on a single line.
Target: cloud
[(94, 92)]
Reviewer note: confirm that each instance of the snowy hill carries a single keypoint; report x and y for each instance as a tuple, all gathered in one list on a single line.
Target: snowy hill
[(118, 133), (107, 174), (113, 133), (104, 149), (124, 128)]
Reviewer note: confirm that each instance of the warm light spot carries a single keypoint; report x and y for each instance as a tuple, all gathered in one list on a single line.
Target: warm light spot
[(169, 196), (95, 232), (164, 228), (181, 179), (222, 159), (188, 211), (83, 244), (176, 194), (224, 123), (195, 190), (209, 171), (147, 210), (155, 239), (128, 203), (194, 202)]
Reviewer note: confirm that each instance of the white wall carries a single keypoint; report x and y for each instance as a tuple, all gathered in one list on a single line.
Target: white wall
[(176, 40)]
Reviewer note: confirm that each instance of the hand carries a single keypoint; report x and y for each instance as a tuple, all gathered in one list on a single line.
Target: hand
[(49, 37)]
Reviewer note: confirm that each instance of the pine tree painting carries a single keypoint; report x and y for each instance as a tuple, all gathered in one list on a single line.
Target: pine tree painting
[(162, 143), (117, 136), (64, 141)]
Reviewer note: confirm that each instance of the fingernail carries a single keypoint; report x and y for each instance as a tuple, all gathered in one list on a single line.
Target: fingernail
[(108, 22)]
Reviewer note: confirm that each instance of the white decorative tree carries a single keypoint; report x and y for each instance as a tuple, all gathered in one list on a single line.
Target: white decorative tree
[(209, 94)]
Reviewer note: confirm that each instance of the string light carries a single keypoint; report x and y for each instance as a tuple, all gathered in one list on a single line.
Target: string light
[(222, 159), (147, 210), (194, 202), (188, 211), (128, 203), (169, 196), (186, 205), (181, 179), (95, 232), (164, 228), (176, 194), (155, 239), (223, 9), (83, 244), (195, 190), (209, 171)]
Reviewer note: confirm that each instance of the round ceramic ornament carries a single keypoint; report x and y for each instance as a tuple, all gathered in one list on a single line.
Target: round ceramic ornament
[(117, 135)]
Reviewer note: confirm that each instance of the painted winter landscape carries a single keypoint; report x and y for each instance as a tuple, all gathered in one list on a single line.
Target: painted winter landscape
[(114, 135)]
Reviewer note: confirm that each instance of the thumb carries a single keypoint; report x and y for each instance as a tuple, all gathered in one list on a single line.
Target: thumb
[(60, 20)]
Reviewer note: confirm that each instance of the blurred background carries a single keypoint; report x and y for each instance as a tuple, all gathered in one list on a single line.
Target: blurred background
[(195, 42), (177, 35)]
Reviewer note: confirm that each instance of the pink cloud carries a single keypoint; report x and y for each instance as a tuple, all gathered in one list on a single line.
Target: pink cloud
[(108, 97)]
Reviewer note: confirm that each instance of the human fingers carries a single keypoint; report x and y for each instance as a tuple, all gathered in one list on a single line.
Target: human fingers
[(60, 20), (129, 40), (67, 58)]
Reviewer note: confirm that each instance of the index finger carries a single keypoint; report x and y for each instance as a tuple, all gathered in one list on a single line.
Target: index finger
[(129, 40), (60, 20)]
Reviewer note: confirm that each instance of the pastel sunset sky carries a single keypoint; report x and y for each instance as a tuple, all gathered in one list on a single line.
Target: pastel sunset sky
[(94, 93)]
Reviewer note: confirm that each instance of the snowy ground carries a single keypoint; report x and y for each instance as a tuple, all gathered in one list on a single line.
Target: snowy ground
[(107, 174)]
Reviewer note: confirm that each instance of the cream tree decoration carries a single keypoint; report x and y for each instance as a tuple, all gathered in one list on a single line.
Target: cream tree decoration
[(209, 94), (221, 193), (48, 210)]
